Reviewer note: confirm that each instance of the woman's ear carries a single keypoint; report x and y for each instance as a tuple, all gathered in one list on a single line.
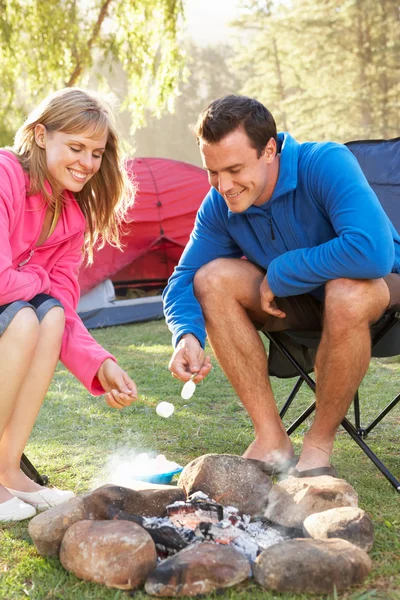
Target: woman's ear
[(40, 135)]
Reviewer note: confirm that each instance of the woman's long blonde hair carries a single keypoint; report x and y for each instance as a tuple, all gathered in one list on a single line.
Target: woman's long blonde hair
[(106, 197)]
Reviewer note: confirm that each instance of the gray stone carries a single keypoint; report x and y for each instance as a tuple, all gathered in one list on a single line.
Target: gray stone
[(47, 529), (347, 522), (117, 554), (228, 479), (294, 499), (146, 502), (198, 569), (306, 566)]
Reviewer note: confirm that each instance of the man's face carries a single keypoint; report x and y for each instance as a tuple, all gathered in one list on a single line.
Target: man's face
[(237, 172)]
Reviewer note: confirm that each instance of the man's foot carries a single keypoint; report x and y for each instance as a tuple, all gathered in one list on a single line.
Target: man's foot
[(313, 457), (281, 468), (276, 459), (317, 472)]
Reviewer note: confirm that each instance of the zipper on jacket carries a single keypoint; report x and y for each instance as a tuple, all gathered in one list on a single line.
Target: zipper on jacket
[(31, 253), (272, 229)]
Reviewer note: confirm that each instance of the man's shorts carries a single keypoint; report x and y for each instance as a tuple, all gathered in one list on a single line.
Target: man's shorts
[(305, 313), (41, 304)]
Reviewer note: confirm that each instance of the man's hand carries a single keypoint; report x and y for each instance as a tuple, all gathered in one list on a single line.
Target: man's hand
[(120, 389), (267, 300), (188, 358)]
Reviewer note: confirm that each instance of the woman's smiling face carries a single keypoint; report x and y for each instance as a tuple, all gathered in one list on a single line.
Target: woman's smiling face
[(72, 158)]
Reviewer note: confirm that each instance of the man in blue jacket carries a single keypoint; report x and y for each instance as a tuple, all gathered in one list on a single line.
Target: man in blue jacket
[(321, 255)]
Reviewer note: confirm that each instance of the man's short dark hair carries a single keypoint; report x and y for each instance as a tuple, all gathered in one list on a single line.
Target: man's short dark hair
[(225, 115)]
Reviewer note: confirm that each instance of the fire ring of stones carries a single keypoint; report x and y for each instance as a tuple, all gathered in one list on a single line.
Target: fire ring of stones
[(224, 522)]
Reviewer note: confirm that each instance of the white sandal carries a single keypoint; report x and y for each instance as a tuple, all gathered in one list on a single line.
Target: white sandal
[(15, 510), (44, 498)]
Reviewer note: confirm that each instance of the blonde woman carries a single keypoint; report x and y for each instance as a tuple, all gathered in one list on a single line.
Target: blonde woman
[(62, 190)]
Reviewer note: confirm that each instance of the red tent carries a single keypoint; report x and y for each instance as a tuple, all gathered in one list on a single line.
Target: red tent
[(156, 229)]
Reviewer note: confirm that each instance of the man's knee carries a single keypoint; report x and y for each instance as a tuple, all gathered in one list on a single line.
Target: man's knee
[(353, 301), (213, 278)]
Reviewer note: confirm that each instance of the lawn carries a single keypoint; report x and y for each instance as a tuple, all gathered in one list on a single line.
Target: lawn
[(76, 434)]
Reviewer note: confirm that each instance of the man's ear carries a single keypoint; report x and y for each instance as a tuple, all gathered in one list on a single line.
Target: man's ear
[(40, 135), (270, 150)]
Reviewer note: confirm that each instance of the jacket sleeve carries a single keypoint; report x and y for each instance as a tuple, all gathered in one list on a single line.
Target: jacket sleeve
[(364, 246), (209, 240), (80, 352), (20, 283)]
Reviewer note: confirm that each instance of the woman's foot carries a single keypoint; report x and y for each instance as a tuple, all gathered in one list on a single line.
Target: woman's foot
[(12, 508), (16, 484), (43, 498), (17, 480)]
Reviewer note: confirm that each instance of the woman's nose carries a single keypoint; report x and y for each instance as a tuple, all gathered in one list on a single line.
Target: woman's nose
[(86, 160)]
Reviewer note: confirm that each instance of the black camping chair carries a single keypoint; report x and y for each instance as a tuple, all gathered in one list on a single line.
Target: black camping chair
[(292, 353), (29, 470)]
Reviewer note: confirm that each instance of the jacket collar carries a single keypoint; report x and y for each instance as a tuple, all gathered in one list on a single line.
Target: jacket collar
[(288, 148)]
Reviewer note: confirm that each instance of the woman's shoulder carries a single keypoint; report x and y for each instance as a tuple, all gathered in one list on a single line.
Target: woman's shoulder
[(12, 175), (9, 159)]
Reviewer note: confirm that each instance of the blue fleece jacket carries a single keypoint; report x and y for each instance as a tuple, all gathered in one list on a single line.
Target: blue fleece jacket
[(322, 222)]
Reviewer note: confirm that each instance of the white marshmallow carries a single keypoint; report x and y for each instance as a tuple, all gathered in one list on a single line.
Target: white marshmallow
[(165, 409), (188, 389)]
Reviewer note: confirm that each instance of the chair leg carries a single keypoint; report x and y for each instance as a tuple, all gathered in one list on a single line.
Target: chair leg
[(371, 455), (29, 470), (382, 414), (357, 421), (291, 397)]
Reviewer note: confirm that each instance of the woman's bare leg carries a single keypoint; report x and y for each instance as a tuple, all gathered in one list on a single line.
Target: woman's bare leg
[(29, 400), (17, 348)]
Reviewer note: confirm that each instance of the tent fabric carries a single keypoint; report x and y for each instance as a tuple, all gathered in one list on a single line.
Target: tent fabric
[(156, 229)]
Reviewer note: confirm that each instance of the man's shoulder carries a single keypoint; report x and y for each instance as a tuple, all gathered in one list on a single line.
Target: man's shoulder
[(321, 155), (317, 149)]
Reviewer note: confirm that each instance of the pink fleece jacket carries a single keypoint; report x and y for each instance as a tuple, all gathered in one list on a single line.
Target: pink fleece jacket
[(52, 268)]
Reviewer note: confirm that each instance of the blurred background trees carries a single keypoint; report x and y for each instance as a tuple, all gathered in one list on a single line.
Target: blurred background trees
[(327, 69), (129, 47)]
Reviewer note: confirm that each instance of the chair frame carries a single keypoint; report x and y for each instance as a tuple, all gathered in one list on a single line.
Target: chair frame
[(29, 470), (356, 431)]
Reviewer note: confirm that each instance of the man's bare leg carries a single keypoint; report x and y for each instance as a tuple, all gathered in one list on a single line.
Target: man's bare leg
[(229, 293), (342, 360)]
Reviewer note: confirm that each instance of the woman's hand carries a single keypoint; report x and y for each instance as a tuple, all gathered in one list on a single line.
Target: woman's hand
[(120, 389)]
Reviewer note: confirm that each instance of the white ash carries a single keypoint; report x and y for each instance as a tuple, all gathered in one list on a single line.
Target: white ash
[(248, 537), (199, 496)]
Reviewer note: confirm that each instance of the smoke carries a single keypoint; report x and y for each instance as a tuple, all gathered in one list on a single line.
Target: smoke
[(125, 467)]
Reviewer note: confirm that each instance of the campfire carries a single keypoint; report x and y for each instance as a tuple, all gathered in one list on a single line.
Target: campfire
[(224, 522), (200, 519)]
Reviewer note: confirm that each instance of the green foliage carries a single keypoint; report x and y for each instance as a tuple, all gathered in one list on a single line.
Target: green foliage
[(48, 45), (326, 70), (209, 78), (76, 434)]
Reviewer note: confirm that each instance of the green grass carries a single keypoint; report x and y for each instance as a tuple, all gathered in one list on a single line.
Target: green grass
[(75, 435)]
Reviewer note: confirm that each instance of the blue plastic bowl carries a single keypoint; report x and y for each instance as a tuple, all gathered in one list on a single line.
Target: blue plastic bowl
[(160, 477)]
